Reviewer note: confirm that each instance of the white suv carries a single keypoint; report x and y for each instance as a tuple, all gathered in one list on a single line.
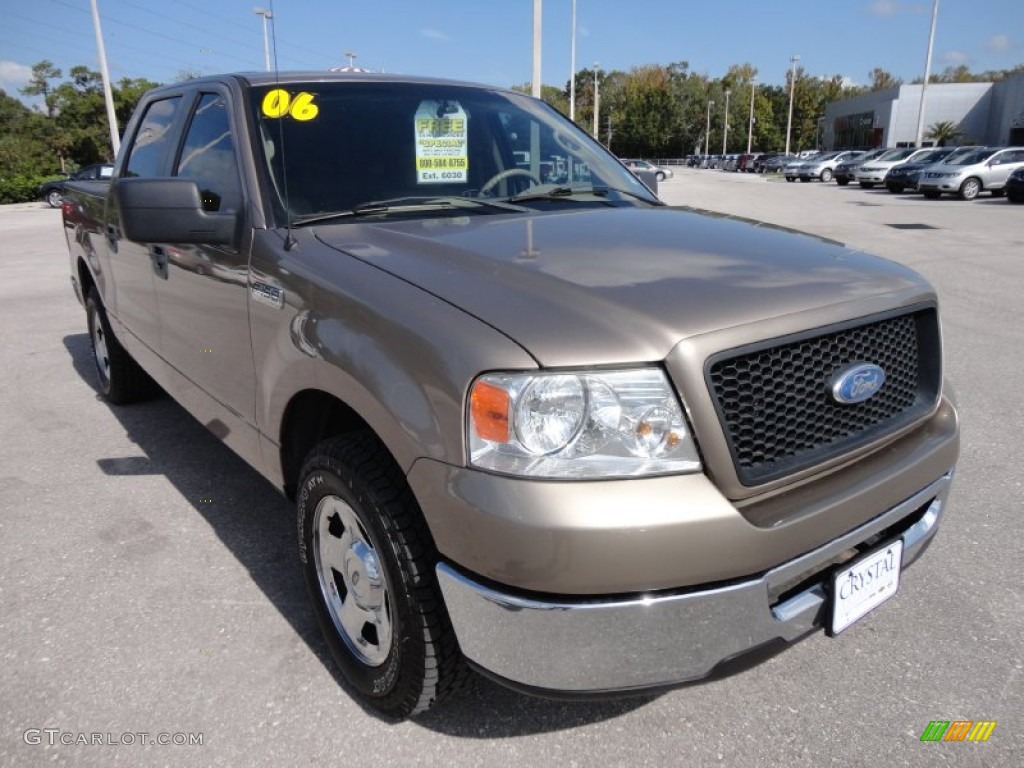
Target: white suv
[(970, 174), (873, 172)]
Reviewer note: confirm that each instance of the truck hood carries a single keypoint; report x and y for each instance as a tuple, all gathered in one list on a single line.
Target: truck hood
[(608, 286)]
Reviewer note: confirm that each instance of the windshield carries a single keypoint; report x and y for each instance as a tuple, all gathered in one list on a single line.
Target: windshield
[(335, 147), (932, 157), (896, 154), (971, 158)]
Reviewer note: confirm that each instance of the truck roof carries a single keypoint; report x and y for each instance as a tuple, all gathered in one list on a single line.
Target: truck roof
[(323, 76)]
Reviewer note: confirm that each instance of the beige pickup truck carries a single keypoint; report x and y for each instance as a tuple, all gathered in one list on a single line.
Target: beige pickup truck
[(538, 425)]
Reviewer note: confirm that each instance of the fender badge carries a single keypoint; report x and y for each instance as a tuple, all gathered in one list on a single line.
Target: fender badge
[(270, 295)]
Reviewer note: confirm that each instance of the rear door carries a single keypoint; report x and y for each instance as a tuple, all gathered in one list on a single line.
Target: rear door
[(1001, 166), (131, 295)]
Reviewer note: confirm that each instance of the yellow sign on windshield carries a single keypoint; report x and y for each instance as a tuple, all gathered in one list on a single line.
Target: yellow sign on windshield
[(280, 103)]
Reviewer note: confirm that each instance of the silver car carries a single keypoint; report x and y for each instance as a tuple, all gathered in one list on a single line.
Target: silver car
[(970, 174), (822, 167), (874, 172)]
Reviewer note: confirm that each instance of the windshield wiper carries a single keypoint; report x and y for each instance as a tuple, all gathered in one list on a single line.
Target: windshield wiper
[(411, 205), (563, 193)]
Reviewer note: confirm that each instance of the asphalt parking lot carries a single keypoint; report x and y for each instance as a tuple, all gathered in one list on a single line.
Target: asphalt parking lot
[(149, 585)]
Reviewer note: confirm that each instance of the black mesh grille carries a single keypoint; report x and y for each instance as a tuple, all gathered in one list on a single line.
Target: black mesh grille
[(776, 406)]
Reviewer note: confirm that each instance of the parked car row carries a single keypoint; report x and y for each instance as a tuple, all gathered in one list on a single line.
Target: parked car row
[(934, 171)]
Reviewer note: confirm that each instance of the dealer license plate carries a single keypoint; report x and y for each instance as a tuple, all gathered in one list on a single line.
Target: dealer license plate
[(865, 585)]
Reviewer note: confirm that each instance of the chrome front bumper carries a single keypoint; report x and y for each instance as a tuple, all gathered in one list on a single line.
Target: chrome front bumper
[(604, 645)]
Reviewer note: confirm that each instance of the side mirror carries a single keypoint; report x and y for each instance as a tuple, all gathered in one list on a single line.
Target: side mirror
[(170, 211)]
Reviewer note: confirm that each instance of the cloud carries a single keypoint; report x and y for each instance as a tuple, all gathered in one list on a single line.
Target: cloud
[(13, 76), (849, 82), (999, 43), (435, 34), (954, 58), (883, 8)]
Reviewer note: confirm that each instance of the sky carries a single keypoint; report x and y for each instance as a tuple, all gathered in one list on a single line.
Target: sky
[(490, 41)]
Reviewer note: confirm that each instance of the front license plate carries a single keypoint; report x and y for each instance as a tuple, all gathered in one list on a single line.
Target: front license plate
[(865, 585)]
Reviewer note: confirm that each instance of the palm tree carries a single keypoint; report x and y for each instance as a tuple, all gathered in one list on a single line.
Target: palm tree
[(943, 131)]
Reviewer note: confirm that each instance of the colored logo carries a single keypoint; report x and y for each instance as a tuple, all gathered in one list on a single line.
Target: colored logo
[(857, 382), (958, 730)]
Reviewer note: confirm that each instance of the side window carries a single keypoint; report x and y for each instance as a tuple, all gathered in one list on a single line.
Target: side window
[(208, 155), (150, 142)]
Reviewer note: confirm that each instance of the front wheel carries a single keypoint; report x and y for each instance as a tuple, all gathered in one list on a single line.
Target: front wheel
[(54, 198), (932, 195), (826, 175), (842, 182), (368, 560), (970, 189), (1015, 198), (894, 188), (867, 185), (660, 176)]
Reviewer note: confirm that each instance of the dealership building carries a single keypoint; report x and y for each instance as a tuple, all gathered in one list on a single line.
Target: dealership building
[(986, 113)]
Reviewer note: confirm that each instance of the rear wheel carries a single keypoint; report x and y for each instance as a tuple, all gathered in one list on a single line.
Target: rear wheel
[(804, 178), (660, 176), (867, 184), (842, 182), (368, 560), (790, 178), (54, 198), (970, 189), (826, 175), (1014, 198), (894, 188), (121, 379)]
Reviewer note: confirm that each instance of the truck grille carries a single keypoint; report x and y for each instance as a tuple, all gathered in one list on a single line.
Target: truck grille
[(775, 401)]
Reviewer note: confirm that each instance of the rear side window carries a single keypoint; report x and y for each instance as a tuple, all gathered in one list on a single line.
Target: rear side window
[(150, 142), (208, 155)]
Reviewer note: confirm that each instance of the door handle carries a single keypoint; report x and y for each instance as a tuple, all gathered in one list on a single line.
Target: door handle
[(158, 256), (112, 237)]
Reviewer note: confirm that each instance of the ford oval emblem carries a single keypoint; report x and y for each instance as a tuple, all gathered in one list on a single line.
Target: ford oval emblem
[(857, 382)]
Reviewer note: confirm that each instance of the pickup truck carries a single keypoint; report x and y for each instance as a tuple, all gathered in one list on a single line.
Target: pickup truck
[(558, 433)]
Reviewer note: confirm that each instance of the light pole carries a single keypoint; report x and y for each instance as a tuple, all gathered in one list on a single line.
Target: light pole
[(351, 59), (707, 129), (927, 74), (750, 120), (266, 14), (597, 99), (108, 96), (535, 89), (725, 121), (792, 87), (572, 66)]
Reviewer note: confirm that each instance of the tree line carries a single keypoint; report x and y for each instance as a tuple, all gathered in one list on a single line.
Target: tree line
[(666, 111), (650, 111)]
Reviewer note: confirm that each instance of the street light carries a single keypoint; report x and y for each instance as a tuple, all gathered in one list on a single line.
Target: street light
[(725, 130), (597, 99), (707, 129), (572, 67), (750, 120), (927, 74), (792, 87), (266, 14), (351, 59)]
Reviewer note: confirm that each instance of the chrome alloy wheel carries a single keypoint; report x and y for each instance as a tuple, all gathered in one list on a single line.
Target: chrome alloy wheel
[(99, 349), (352, 581)]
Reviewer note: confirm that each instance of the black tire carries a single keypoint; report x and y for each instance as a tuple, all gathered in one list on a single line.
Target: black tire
[(54, 198), (405, 658), (1014, 198), (790, 178), (998, 192), (867, 184), (970, 189), (121, 379), (804, 179), (659, 176), (842, 182), (932, 194), (894, 188), (826, 175)]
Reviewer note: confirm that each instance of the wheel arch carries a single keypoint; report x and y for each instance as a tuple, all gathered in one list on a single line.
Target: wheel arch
[(312, 416)]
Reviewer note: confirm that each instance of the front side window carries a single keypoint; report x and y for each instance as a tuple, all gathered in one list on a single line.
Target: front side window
[(208, 155), (149, 146)]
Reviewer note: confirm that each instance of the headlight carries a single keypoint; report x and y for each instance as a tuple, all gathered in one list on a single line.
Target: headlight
[(579, 424)]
